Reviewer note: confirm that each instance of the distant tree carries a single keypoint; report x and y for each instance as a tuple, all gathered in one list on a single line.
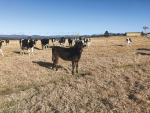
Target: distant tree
[(142, 34), (29, 37), (114, 34), (118, 34), (106, 34), (145, 28)]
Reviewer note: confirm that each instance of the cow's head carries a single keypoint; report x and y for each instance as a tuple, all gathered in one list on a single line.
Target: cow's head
[(31, 42)]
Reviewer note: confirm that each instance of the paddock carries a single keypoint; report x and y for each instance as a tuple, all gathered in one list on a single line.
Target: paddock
[(111, 78)]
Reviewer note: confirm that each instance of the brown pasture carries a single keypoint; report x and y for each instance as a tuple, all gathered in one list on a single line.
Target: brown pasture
[(112, 78)]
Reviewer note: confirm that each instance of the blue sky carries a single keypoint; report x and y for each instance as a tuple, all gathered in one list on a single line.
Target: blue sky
[(68, 17)]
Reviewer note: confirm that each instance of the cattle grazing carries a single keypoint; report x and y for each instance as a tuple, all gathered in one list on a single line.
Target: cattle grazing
[(45, 42), (72, 54), (27, 43), (53, 41), (1, 46), (128, 42), (70, 41), (7, 42), (62, 42)]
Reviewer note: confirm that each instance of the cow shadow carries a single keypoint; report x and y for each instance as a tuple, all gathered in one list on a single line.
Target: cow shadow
[(143, 49), (83, 74), (19, 53), (48, 65), (117, 45), (141, 53), (120, 45), (45, 64), (37, 48)]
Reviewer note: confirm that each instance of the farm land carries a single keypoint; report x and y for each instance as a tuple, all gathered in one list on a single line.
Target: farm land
[(112, 78)]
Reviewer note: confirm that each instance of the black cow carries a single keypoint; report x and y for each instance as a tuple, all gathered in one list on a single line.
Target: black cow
[(7, 42), (53, 41), (62, 42), (70, 54), (45, 42), (70, 41), (1, 46), (27, 43)]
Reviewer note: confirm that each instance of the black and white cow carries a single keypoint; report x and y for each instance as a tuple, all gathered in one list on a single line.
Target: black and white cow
[(62, 42), (27, 43), (85, 40), (45, 42), (128, 42), (1, 46), (53, 41), (35, 42), (79, 40), (7, 42), (88, 41), (76, 40), (70, 41)]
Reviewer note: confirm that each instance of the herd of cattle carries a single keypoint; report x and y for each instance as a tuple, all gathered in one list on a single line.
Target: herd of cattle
[(73, 53)]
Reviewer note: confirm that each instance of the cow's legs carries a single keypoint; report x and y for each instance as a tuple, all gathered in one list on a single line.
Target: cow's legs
[(73, 65), (29, 52), (55, 64), (76, 63), (42, 46), (20, 50), (46, 47), (32, 50), (1, 52), (23, 51), (55, 61), (129, 44)]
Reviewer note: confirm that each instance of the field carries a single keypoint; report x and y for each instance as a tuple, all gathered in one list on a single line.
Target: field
[(112, 78)]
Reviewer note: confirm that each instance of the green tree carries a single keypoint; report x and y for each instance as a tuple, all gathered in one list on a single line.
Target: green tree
[(106, 34)]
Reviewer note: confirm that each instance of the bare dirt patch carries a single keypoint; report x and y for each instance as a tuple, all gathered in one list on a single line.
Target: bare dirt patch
[(111, 78)]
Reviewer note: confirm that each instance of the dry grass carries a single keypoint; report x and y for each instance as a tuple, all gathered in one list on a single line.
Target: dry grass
[(111, 78)]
